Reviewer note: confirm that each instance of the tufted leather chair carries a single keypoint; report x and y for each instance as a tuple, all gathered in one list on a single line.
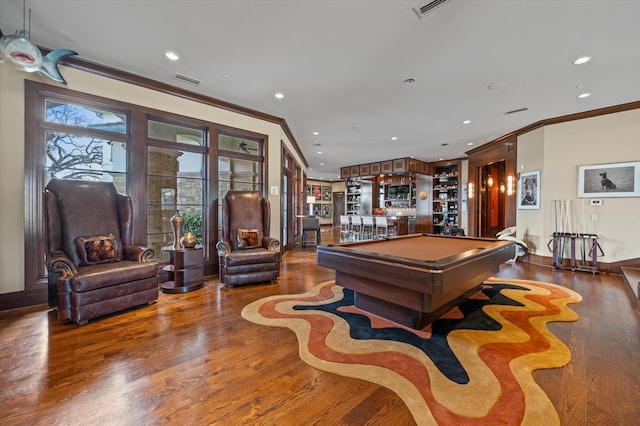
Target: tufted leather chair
[(94, 267), (246, 253)]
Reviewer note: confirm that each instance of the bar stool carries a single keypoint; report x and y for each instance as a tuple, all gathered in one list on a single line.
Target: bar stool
[(368, 227), (391, 228), (345, 228), (310, 231), (382, 227), (356, 226)]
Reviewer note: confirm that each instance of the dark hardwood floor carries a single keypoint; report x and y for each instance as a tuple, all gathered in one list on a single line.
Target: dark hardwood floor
[(191, 359)]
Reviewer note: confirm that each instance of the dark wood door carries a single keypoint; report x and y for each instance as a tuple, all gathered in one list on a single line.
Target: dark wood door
[(338, 207), (492, 199)]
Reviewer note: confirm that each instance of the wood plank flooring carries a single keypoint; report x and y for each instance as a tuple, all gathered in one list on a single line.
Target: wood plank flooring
[(191, 359)]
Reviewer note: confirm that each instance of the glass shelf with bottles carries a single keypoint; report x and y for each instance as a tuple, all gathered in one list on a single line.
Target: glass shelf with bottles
[(445, 202), (354, 197)]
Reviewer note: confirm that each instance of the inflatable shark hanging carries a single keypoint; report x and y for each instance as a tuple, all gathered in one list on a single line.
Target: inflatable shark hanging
[(26, 56)]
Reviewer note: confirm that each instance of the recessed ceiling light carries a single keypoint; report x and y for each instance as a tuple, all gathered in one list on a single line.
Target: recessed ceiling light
[(319, 152), (279, 95), (322, 164), (469, 143), (316, 133), (582, 60), (440, 159), (225, 76), (466, 122), (394, 138), (584, 95), (172, 56), (409, 80)]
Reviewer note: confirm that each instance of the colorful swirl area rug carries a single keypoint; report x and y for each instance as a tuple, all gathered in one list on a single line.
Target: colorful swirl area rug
[(472, 366)]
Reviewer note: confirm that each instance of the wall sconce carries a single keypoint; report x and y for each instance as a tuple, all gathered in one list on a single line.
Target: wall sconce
[(509, 185), (470, 190), (489, 181), (502, 188)]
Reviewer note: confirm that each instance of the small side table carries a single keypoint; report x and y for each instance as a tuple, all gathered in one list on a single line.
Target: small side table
[(186, 270)]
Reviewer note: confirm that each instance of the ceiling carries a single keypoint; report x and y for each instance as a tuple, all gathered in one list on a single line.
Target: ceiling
[(342, 65)]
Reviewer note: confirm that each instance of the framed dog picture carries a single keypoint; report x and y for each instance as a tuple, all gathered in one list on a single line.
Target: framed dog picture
[(529, 191), (609, 180)]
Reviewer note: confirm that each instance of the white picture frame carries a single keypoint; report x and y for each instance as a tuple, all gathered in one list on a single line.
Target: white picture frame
[(529, 190), (609, 180)]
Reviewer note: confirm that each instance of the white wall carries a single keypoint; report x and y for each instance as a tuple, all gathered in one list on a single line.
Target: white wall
[(529, 223), (12, 146), (11, 180), (558, 150)]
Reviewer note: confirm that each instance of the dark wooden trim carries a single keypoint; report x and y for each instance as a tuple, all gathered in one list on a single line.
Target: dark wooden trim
[(502, 149), (137, 80), (21, 299), (562, 119), (138, 151), (35, 282)]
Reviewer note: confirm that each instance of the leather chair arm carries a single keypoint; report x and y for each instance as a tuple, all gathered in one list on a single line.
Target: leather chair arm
[(271, 244), (138, 253), (224, 247), (59, 262)]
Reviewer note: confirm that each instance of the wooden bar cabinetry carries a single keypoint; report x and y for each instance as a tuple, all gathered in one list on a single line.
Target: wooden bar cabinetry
[(446, 197)]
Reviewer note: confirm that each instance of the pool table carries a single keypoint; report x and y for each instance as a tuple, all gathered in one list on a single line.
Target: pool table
[(413, 279)]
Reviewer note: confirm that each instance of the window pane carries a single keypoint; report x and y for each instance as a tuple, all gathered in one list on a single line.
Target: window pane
[(235, 174), (246, 146), (76, 115), (238, 170), (70, 156), (175, 182), (173, 133)]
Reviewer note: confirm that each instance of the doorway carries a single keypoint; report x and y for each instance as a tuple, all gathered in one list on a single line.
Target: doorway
[(492, 208), (492, 199), (338, 207)]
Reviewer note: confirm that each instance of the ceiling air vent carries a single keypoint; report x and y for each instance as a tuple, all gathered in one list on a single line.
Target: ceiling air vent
[(513, 111), (186, 78), (424, 8)]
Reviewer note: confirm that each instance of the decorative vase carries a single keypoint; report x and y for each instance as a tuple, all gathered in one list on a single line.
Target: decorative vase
[(176, 223), (189, 240)]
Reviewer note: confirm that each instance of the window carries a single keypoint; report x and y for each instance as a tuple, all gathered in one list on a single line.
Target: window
[(79, 144), (163, 161), (176, 177), (239, 168)]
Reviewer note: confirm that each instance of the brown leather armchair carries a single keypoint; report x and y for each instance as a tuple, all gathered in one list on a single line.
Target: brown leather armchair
[(246, 253), (94, 267)]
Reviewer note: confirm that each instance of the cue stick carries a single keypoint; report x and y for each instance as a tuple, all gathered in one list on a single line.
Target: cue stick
[(584, 230), (561, 254)]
